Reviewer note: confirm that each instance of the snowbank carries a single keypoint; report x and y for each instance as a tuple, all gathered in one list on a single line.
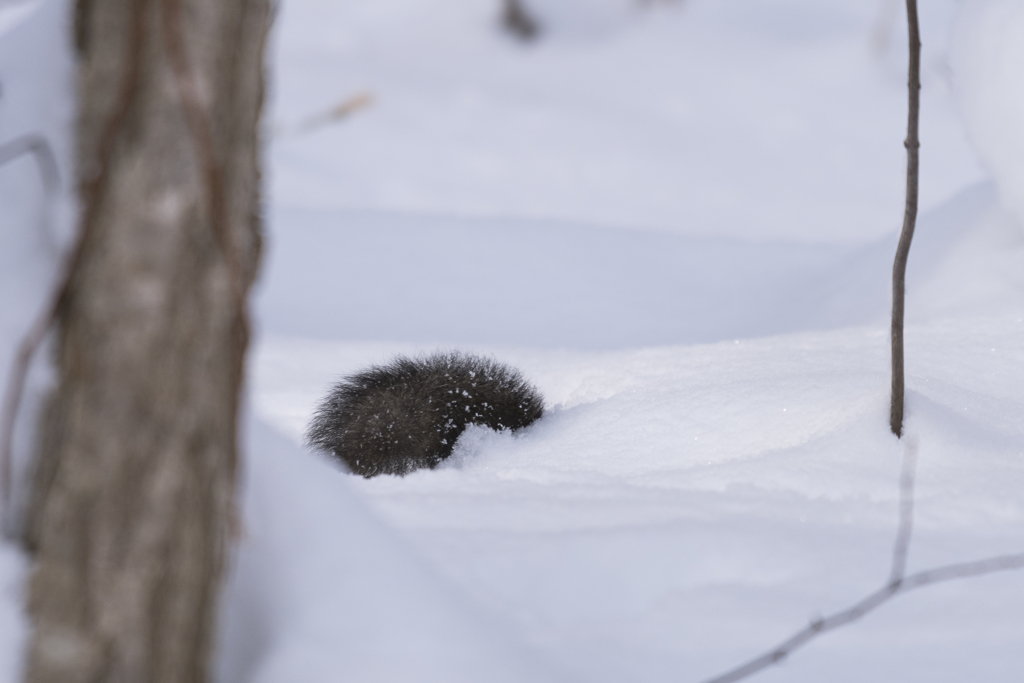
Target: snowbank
[(681, 508), (322, 590)]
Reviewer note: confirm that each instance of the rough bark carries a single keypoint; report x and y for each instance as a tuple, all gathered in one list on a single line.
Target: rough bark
[(133, 498), (899, 267)]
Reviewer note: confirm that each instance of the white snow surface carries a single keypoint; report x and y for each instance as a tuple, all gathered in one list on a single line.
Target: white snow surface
[(988, 67), (678, 222)]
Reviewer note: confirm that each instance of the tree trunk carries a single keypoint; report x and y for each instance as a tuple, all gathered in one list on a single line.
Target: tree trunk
[(133, 497)]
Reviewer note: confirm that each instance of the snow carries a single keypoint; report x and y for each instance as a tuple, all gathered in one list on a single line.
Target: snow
[(632, 538), (678, 222), (640, 121), (543, 283), (281, 634), (988, 68)]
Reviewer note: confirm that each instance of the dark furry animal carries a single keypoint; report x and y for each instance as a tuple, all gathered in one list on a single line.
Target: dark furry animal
[(406, 415)]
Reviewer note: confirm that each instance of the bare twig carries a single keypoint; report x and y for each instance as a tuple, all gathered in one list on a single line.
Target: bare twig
[(46, 161), (38, 147), (898, 582), (93, 182), (899, 266), (12, 402), (868, 604), (963, 570), (339, 111)]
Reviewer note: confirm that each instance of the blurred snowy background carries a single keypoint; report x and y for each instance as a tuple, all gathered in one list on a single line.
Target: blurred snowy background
[(678, 219)]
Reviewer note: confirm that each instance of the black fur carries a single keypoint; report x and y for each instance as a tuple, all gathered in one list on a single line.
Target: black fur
[(406, 415)]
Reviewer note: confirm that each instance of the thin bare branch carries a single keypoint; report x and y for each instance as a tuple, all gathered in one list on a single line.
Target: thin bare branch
[(898, 583), (341, 110), (870, 603), (38, 147), (12, 402), (899, 266), (963, 570)]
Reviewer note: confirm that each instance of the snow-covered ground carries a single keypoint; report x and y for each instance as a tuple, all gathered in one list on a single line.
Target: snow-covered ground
[(678, 222)]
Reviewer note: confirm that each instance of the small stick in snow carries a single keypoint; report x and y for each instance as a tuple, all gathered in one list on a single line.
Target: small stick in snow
[(899, 266), (38, 147), (339, 111)]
